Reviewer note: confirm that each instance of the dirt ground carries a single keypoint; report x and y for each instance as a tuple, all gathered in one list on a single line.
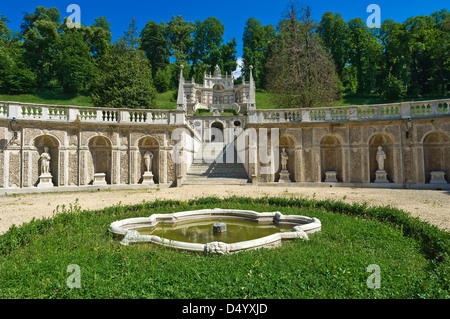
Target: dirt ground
[(429, 205)]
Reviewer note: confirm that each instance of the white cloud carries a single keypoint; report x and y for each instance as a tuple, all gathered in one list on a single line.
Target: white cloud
[(240, 63)]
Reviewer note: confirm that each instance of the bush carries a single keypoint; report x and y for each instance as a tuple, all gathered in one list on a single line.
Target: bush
[(393, 88)]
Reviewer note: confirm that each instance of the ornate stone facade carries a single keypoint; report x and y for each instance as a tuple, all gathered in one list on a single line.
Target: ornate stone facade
[(337, 144)]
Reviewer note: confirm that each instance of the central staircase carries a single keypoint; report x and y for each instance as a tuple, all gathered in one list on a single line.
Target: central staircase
[(209, 169)]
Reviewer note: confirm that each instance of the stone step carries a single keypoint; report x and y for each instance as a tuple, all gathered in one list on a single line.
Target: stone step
[(216, 173)]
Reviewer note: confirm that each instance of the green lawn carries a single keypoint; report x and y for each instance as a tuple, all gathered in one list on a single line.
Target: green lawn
[(49, 97), (411, 254), (166, 100)]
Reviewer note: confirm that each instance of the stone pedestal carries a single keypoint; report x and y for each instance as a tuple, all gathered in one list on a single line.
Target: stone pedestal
[(330, 177), (147, 178), (437, 177), (381, 176), (99, 179), (45, 180), (284, 176)]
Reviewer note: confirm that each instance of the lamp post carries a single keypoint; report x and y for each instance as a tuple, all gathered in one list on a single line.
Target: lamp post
[(409, 124), (13, 124)]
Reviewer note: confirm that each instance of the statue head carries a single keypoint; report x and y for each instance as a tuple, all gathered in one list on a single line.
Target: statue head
[(380, 148), (46, 149)]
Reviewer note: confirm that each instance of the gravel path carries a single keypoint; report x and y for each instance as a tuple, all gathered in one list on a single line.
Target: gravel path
[(430, 205)]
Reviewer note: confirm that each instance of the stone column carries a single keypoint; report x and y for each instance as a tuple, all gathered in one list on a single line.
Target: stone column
[(298, 164)]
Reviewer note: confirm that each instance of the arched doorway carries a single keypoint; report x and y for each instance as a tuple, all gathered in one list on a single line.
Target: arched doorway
[(331, 156), (100, 150), (149, 144), (386, 143), (40, 143), (436, 154), (216, 134)]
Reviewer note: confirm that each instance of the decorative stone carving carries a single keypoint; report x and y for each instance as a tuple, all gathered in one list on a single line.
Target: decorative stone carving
[(216, 247), (131, 236), (299, 232), (381, 174)]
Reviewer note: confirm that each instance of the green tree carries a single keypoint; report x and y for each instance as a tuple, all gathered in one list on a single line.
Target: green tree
[(156, 46), (179, 34), (228, 58), (125, 79), (15, 78), (74, 66), (40, 35), (301, 72), (365, 56), (208, 37), (98, 37), (334, 32), (256, 43)]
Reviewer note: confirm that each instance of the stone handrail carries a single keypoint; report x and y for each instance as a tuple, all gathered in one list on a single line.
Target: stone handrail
[(401, 110), (61, 113)]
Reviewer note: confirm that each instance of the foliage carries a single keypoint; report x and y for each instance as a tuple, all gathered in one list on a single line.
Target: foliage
[(411, 254), (393, 88), (300, 71), (125, 80), (408, 59), (257, 40)]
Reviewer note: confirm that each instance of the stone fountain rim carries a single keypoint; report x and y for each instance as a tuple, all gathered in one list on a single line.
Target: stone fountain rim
[(126, 228)]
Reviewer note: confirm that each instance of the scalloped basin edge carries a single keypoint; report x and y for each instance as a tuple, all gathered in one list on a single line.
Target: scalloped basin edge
[(127, 229)]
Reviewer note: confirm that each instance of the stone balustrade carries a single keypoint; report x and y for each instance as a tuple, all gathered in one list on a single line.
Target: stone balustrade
[(402, 110), (57, 113)]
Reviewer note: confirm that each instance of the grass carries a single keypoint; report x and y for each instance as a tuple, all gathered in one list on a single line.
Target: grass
[(412, 256), (166, 100), (163, 100), (49, 97)]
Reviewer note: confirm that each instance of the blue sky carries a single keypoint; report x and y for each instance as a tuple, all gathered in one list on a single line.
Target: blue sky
[(232, 13)]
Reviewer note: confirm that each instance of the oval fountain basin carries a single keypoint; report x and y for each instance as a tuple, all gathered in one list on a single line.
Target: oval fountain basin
[(202, 232), (194, 231)]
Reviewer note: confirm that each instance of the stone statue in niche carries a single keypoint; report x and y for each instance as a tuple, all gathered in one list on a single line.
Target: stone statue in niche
[(147, 178), (381, 157), (284, 174), (148, 157), (45, 161), (381, 174), (45, 179), (284, 159)]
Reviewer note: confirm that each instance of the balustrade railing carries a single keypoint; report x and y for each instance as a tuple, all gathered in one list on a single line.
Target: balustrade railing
[(402, 110), (58, 113)]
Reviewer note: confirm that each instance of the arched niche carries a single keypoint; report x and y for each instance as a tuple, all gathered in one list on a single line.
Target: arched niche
[(198, 96), (217, 133), (149, 144), (386, 142), (40, 143), (100, 161), (331, 156), (436, 153), (218, 94), (288, 144)]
